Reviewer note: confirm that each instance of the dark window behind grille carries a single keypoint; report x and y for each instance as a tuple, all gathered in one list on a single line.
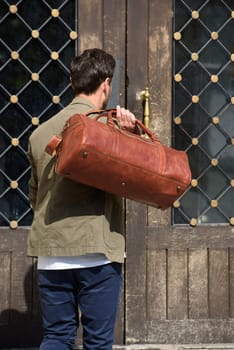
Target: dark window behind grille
[(203, 108), (37, 42)]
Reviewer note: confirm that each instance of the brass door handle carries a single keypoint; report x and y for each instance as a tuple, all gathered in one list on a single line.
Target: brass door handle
[(145, 95)]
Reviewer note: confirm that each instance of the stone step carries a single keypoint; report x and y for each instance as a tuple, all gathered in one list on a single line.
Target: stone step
[(160, 347)]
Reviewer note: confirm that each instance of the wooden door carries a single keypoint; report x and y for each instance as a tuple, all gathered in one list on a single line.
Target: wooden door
[(179, 267)]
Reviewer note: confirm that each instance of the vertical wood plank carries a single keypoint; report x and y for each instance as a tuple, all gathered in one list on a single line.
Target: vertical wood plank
[(137, 54), (137, 76), (156, 285), (36, 309), (160, 65), (114, 42), (21, 290), (90, 24), (5, 276), (114, 29), (135, 324), (198, 283), (159, 82), (218, 283), (177, 285), (114, 22), (231, 277)]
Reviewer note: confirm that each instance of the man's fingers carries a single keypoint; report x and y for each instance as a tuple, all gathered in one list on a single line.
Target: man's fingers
[(118, 111), (126, 118), (132, 118)]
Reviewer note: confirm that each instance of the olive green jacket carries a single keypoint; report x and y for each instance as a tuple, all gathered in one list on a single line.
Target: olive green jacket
[(70, 218)]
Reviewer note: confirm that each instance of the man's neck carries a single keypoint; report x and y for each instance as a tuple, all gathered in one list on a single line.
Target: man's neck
[(93, 98)]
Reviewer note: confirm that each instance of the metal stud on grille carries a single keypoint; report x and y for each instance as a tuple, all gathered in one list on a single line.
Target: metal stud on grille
[(37, 42), (203, 111)]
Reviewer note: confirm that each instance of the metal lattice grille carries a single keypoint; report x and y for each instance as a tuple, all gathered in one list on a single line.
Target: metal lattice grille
[(204, 108), (37, 42)]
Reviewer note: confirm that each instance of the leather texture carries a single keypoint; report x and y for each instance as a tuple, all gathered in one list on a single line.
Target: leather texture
[(102, 155)]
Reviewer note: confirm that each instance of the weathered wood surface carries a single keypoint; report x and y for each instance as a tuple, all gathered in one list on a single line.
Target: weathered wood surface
[(162, 237), (197, 286), (191, 331), (20, 321), (136, 215), (180, 280)]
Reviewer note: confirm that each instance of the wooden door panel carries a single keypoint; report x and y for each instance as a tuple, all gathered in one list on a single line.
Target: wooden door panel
[(218, 283), (5, 260), (190, 331), (186, 292), (135, 285), (157, 284), (231, 281), (195, 295), (177, 284), (183, 285), (198, 283), (20, 321)]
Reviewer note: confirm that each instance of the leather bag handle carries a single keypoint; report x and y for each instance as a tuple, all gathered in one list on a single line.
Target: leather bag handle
[(147, 131), (110, 114)]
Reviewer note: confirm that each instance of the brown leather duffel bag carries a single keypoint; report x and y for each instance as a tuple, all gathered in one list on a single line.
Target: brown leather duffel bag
[(125, 164)]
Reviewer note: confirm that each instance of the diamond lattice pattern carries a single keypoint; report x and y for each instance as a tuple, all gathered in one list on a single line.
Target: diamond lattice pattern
[(203, 117), (37, 42)]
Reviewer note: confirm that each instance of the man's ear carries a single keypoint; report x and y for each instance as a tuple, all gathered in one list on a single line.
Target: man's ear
[(105, 84), (108, 80)]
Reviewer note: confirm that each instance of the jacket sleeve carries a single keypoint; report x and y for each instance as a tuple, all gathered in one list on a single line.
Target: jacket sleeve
[(33, 179)]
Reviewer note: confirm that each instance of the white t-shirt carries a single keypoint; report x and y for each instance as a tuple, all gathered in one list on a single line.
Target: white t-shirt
[(71, 262)]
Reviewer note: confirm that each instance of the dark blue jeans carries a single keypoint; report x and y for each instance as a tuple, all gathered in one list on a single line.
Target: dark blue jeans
[(96, 291)]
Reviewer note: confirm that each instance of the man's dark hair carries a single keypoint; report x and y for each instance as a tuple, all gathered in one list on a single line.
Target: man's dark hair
[(90, 69)]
